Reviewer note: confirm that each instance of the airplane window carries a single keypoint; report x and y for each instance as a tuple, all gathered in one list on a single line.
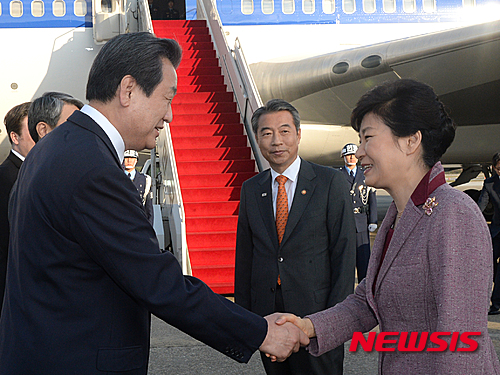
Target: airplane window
[(429, 6), (469, 3), (371, 61), (16, 8), (369, 6), (308, 6), (107, 6), (80, 8), (59, 8), (247, 6), (328, 6), (37, 8), (389, 6), (409, 6), (268, 6), (340, 68), (349, 6), (288, 6)]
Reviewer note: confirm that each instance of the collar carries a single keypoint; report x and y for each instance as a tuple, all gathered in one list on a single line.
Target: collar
[(18, 154), (427, 185), (132, 173), (110, 130), (291, 172), (355, 169)]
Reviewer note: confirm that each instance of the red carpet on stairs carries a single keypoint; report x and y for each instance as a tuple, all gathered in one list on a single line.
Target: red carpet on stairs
[(211, 152)]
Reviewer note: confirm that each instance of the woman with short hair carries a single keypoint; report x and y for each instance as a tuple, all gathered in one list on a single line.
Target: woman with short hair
[(430, 269)]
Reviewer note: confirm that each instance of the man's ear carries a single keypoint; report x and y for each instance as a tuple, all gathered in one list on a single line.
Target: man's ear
[(14, 137), (42, 128), (125, 90)]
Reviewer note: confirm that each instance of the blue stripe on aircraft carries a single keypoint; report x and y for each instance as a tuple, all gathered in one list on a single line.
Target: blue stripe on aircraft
[(48, 20)]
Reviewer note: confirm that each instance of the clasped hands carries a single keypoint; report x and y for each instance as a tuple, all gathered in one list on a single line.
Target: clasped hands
[(286, 333)]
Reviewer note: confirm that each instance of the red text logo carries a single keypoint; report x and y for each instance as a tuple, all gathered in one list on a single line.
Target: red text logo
[(411, 342)]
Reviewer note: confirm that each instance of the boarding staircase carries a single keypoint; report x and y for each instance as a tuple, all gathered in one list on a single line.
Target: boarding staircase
[(211, 154)]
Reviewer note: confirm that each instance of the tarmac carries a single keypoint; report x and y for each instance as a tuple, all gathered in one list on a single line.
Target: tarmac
[(175, 353)]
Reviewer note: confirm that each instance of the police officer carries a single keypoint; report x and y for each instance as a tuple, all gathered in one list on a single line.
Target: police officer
[(141, 181), (364, 203)]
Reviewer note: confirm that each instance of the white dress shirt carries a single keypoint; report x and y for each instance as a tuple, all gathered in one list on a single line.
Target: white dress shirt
[(18, 154)]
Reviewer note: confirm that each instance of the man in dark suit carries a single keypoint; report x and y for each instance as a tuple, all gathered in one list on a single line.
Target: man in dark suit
[(491, 192), (295, 248), (16, 124), (141, 181), (85, 270), (364, 204)]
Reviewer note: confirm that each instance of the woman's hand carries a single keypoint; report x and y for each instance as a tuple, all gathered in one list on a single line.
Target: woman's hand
[(305, 324)]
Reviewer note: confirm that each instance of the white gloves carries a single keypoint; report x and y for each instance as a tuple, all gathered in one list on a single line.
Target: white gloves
[(372, 227)]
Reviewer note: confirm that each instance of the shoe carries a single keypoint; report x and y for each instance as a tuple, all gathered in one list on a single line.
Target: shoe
[(494, 310)]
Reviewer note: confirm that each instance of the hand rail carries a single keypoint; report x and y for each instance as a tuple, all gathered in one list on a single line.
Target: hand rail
[(170, 199)]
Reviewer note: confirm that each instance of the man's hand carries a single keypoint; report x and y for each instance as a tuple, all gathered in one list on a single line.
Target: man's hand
[(372, 227), (282, 340)]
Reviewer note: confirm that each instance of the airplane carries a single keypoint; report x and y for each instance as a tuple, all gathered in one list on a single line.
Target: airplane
[(323, 55), (320, 56)]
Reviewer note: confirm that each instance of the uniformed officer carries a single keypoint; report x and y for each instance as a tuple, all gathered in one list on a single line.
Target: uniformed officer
[(141, 181), (364, 203)]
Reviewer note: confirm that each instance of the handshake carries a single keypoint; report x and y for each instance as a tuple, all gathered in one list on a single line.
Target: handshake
[(286, 333)]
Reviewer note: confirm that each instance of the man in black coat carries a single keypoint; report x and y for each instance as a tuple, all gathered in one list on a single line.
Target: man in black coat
[(85, 270), (305, 263), (16, 124), (491, 192), (364, 204)]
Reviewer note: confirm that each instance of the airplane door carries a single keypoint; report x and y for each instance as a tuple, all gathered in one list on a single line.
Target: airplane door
[(109, 19)]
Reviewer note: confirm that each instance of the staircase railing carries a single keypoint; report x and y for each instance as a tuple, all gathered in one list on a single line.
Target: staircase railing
[(236, 73), (170, 199)]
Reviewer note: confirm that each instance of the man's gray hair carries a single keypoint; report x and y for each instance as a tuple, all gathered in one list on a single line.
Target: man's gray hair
[(272, 106), (48, 108)]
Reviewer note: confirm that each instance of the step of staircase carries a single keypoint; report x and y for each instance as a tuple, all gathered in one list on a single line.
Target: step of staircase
[(215, 180), (206, 130), (211, 151)]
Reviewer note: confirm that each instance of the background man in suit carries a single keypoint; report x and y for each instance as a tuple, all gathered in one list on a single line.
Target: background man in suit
[(16, 124), (141, 181), (364, 204), (85, 270), (295, 248), (491, 191), (50, 110)]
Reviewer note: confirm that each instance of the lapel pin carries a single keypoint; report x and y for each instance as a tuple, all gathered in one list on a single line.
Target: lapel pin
[(264, 194), (303, 192)]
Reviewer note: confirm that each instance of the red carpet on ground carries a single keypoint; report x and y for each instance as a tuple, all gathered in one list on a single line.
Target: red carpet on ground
[(211, 151)]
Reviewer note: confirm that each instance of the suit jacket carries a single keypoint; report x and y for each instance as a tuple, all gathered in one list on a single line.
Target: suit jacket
[(436, 277), (369, 206), (491, 191), (8, 176), (316, 257), (140, 183), (85, 270)]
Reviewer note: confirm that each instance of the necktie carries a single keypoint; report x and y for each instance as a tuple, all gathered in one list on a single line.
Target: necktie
[(129, 175), (281, 207), (352, 173)]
